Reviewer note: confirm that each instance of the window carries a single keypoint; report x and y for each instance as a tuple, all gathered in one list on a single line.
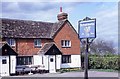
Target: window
[(37, 42), (66, 43), (24, 60), (4, 61), (11, 42), (66, 58), (51, 59)]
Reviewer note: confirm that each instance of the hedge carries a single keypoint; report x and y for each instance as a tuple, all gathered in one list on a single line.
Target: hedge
[(104, 62)]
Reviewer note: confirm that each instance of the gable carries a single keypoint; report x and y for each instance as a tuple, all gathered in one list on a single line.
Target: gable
[(53, 51), (67, 32), (66, 29), (72, 28), (7, 50), (50, 49)]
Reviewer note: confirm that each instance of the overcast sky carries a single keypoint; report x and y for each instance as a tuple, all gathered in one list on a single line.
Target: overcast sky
[(106, 14)]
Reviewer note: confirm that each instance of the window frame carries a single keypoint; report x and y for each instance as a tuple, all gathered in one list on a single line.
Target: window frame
[(66, 59), (24, 60), (66, 43), (11, 42), (4, 61), (38, 44)]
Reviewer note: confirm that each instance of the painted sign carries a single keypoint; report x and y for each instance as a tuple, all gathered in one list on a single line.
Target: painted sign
[(87, 29)]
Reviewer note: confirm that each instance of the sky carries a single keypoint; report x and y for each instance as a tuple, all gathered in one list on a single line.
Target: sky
[(106, 14)]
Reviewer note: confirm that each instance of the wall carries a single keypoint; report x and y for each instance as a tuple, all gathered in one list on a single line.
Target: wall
[(4, 68), (58, 61), (37, 59), (67, 33), (75, 62), (12, 64), (46, 62), (26, 46)]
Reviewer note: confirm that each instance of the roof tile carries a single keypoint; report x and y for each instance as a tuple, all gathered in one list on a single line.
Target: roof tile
[(29, 29)]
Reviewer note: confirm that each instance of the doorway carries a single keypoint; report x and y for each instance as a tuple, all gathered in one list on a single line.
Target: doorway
[(52, 66)]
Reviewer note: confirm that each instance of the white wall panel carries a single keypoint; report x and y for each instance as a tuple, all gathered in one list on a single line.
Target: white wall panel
[(45, 62), (12, 64), (4, 69), (58, 61), (37, 60)]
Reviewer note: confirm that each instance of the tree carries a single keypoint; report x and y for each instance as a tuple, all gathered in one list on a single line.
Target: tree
[(102, 47)]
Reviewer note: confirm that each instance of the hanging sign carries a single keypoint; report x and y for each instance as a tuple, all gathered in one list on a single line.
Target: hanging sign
[(87, 28)]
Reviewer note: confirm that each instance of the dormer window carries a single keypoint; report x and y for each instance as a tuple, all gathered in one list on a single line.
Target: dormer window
[(37, 43), (11, 42)]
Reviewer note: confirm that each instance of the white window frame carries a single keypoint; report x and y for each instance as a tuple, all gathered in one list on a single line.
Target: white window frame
[(38, 43), (65, 43), (11, 42)]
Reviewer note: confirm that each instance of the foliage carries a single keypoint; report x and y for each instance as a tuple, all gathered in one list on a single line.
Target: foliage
[(102, 47), (104, 70), (104, 62), (102, 55), (68, 70)]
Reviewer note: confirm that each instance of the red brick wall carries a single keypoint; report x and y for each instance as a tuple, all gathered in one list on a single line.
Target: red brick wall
[(26, 46), (67, 33)]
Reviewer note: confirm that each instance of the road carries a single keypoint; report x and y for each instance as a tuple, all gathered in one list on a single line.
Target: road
[(75, 74)]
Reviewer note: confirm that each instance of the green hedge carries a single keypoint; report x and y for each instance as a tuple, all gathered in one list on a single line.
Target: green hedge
[(62, 70), (104, 62)]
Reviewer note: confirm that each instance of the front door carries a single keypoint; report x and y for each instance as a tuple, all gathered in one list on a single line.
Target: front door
[(52, 66)]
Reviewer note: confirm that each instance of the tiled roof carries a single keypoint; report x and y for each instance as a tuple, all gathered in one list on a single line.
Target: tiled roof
[(29, 29), (45, 48), (48, 49), (2, 43)]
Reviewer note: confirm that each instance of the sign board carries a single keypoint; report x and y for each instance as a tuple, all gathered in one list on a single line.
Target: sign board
[(87, 28)]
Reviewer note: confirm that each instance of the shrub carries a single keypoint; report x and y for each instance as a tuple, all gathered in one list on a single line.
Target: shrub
[(104, 62)]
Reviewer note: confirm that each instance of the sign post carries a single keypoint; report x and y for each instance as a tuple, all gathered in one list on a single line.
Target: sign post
[(87, 33)]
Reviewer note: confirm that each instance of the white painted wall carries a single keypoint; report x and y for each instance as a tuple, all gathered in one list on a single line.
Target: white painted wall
[(46, 63), (46, 57), (58, 61), (4, 68), (12, 64), (75, 62), (37, 60)]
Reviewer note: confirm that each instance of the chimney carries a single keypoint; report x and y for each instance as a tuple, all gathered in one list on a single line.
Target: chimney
[(62, 16)]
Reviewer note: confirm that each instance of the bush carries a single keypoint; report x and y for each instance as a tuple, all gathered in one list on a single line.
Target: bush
[(68, 70), (104, 62)]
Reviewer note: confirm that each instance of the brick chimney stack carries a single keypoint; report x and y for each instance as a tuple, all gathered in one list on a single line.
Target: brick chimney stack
[(60, 9), (62, 16)]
